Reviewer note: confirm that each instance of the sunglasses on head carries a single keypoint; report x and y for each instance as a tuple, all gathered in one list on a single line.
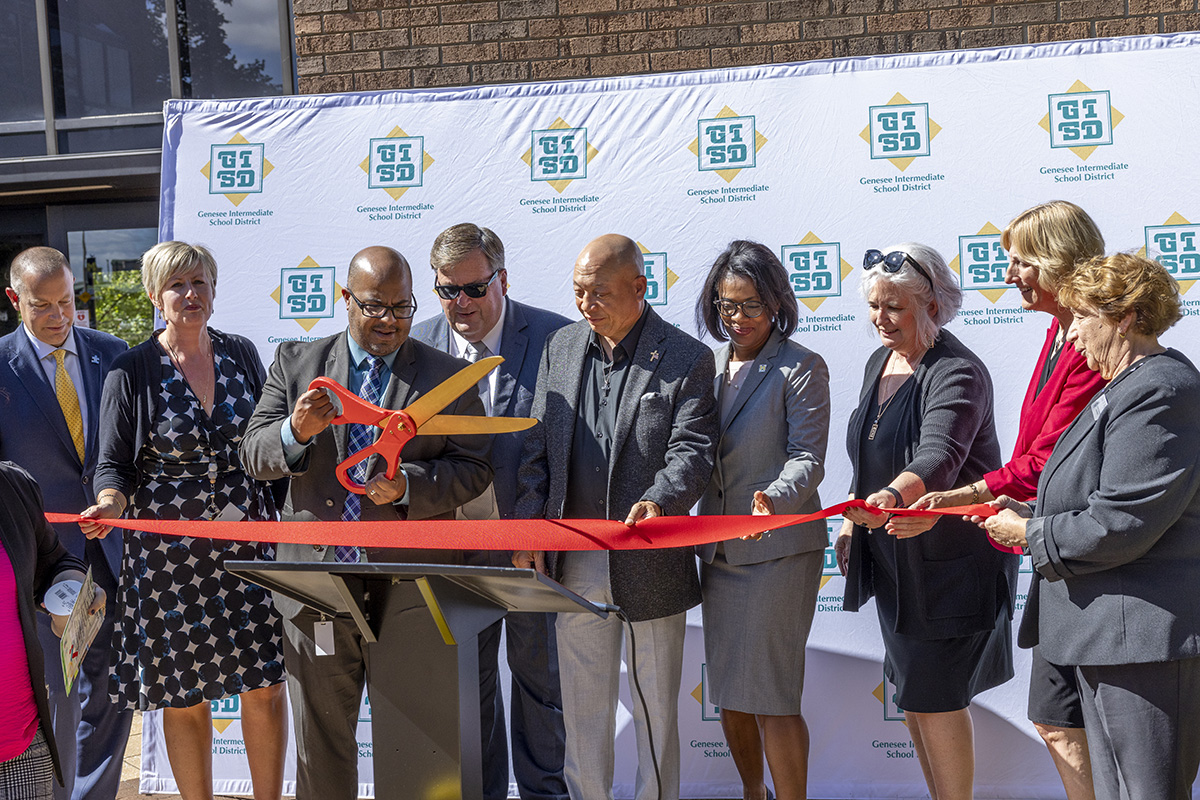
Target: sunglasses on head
[(472, 290), (893, 262)]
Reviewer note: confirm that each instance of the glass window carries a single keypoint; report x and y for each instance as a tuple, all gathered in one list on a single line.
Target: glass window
[(20, 145), (108, 56), (229, 49), (103, 140), (21, 87), (110, 263)]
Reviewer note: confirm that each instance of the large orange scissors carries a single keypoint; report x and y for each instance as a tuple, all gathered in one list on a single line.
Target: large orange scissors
[(419, 419)]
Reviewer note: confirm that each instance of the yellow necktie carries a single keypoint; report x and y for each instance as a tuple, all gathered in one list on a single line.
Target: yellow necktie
[(68, 400)]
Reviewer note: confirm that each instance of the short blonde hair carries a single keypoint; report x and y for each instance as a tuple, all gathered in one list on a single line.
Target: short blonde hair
[(165, 260), (1121, 283), (1053, 237)]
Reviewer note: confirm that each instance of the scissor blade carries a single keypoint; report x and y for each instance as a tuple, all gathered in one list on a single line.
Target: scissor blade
[(457, 425), (448, 390)]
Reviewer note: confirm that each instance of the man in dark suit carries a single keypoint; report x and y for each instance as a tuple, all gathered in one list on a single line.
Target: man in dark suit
[(628, 432), (479, 321), (290, 436), (49, 418)]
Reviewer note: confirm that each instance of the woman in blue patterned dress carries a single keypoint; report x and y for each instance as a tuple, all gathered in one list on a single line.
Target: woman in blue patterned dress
[(174, 409)]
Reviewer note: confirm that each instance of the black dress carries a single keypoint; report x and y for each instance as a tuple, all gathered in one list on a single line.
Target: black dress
[(931, 674), (191, 631)]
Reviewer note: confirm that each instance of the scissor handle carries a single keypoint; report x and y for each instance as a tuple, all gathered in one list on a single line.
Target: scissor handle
[(398, 428), (353, 408)]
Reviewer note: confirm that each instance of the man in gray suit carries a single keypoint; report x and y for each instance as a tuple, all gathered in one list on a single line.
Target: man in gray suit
[(51, 370), (479, 321), (628, 431), (290, 436)]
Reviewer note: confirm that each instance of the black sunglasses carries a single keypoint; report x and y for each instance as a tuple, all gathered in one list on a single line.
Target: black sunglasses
[(472, 290), (893, 262), (378, 311)]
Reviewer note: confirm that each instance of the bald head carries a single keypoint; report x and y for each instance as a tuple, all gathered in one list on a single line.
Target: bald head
[(610, 283), (35, 263), (379, 281), (612, 251)]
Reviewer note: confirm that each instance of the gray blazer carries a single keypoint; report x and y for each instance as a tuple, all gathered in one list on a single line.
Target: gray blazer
[(773, 439), (1117, 532), (443, 471), (521, 342), (666, 433)]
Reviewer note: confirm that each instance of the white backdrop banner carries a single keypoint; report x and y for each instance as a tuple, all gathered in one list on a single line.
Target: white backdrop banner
[(820, 161)]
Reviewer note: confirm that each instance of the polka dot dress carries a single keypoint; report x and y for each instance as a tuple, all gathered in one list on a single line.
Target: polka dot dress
[(192, 632)]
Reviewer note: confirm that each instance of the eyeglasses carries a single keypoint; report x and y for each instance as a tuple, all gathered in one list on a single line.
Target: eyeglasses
[(472, 290), (749, 308), (893, 262), (378, 311)]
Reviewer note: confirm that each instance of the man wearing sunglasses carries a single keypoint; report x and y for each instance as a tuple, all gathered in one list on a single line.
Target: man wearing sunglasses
[(479, 320), (290, 436)]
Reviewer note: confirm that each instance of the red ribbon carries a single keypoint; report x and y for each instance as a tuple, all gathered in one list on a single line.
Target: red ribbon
[(517, 534)]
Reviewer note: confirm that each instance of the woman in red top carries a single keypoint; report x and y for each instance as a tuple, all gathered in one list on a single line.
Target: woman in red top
[(1044, 244)]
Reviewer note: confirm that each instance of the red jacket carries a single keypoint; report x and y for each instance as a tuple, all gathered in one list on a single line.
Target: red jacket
[(1044, 416)]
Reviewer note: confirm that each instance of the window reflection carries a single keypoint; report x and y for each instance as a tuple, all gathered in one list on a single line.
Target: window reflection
[(108, 56), (21, 87), (229, 49)]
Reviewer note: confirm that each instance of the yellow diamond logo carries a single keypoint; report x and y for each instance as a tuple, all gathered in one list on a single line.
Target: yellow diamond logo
[(1081, 120), (563, 155), (730, 144), (304, 290), (900, 131), (1176, 244), (396, 163), (236, 169), (987, 262)]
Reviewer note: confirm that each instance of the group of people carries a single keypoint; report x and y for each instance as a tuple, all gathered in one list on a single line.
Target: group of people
[(637, 419)]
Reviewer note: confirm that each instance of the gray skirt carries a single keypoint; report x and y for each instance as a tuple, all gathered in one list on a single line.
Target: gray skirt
[(756, 623)]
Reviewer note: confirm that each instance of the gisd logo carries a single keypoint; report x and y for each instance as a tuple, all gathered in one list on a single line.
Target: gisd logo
[(709, 711), (885, 693), (815, 269), (982, 262), (236, 169), (1080, 120), (225, 713), (1176, 245), (396, 163), (727, 144), (307, 293), (659, 277), (833, 526), (559, 155), (900, 131)]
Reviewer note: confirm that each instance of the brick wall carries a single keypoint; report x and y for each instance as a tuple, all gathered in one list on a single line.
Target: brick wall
[(348, 45)]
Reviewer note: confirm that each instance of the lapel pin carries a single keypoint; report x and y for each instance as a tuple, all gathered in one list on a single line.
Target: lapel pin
[(95, 359), (762, 367), (654, 355)]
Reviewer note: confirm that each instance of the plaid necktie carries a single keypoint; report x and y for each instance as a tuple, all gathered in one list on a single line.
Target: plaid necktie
[(68, 400), (361, 436)]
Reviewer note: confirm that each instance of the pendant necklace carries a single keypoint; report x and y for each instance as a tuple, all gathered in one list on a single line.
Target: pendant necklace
[(882, 408)]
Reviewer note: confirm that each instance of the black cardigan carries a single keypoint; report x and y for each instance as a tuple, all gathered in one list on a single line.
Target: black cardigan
[(132, 399), (953, 582), (37, 558)]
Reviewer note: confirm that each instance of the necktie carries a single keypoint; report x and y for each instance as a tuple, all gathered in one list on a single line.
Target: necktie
[(68, 400), (361, 436), (475, 352)]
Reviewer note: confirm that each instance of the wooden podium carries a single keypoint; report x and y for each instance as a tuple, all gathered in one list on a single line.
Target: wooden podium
[(423, 623)]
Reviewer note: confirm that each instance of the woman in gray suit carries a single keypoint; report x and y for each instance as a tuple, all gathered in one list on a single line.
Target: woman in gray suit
[(774, 400), (1115, 534)]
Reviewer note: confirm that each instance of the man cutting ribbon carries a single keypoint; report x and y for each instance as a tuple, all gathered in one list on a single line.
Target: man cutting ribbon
[(290, 435)]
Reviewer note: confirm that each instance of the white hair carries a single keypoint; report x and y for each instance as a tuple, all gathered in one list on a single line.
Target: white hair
[(945, 294)]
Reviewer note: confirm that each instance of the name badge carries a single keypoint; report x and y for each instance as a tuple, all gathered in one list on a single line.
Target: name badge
[(1098, 406)]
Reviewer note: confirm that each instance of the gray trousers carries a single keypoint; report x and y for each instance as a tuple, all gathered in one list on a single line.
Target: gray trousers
[(1143, 728), (589, 659)]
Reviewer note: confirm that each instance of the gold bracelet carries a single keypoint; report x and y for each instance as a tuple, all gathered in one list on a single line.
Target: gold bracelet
[(974, 493)]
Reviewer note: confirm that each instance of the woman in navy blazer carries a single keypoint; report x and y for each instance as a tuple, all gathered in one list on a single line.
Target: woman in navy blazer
[(1115, 536), (760, 596), (1044, 243)]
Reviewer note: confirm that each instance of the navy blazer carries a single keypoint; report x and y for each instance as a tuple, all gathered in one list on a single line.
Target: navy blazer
[(521, 342), (37, 557), (34, 434)]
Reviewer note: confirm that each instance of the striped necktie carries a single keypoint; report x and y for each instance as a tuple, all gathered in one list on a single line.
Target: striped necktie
[(361, 436), (68, 401), (477, 351)]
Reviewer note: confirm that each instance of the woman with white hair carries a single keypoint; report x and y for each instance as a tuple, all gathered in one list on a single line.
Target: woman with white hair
[(944, 599)]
